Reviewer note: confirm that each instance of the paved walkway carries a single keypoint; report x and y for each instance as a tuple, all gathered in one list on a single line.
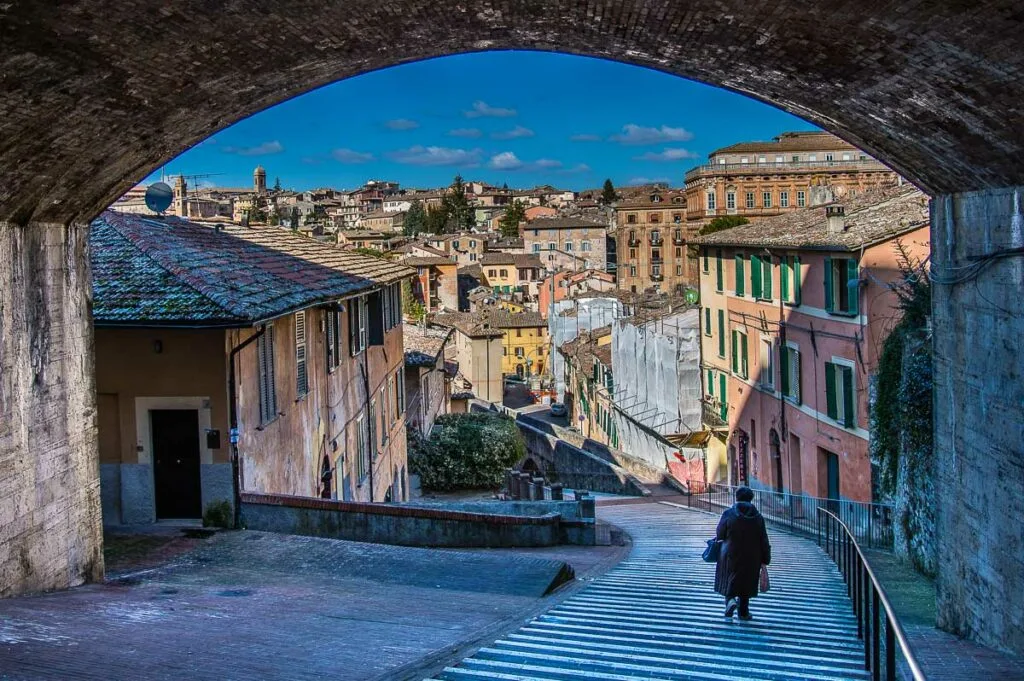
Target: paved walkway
[(655, 616)]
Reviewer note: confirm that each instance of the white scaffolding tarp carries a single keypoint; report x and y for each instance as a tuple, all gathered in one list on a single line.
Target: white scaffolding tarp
[(568, 319)]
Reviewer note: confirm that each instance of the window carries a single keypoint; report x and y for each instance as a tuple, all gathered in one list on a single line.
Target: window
[(840, 397), (536, 248), (455, 244), (655, 217), (503, 273), (711, 200), (677, 218), (761, 277), (830, 157), (333, 328), (362, 451), (656, 254), (707, 321), (783, 199), (796, 158), (631, 219), (568, 246), (492, 273), (705, 262), (739, 353), (767, 378), (357, 325), (384, 416), (655, 237), (738, 265), (744, 159), (585, 246), (719, 271), (301, 370), (762, 159), (766, 199), (789, 364), (400, 397), (721, 334), (472, 243), (679, 270), (519, 333), (472, 257), (632, 271), (789, 279), (813, 157), (801, 199), (375, 317), (656, 270), (268, 390), (730, 200), (551, 245), (842, 286), (779, 159), (392, 306), (371, 423), (750, 199), (632, 254), (519, 352)]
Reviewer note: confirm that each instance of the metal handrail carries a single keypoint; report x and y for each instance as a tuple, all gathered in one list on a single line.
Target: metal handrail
[(869, 600)]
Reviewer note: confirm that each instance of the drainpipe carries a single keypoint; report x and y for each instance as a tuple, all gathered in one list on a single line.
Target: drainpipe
[(233, 415), (371, 443)]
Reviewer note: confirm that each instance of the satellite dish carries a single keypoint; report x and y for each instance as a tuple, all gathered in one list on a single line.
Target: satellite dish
[(159, 196)]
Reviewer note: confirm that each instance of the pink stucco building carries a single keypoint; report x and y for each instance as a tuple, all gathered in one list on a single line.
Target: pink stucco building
[(794, 313)]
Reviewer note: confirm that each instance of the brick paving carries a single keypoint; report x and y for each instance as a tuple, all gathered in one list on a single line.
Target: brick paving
[(252, 605), (942, 656)]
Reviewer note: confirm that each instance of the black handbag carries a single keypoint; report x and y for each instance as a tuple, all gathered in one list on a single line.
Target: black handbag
[(713, 550)]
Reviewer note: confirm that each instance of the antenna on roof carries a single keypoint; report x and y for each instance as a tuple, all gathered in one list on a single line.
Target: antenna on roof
[(158, 197)]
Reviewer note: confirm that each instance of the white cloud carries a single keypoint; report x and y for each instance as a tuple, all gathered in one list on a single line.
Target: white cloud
[(514, 133), (636, 134), (274, 147), (350, 156), (506, 160), (670, 154), (578, 168), (419, 155), (647, 180), (585, 138), (481, 108), (401, 124), (465, 132), (548, 163)]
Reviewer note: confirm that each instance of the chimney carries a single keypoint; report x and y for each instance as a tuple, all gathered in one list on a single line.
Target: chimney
[(835, 216)]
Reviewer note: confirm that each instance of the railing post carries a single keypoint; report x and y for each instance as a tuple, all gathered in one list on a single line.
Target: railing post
[(890, 651), (868, 588), (857, 603), (875, 636)]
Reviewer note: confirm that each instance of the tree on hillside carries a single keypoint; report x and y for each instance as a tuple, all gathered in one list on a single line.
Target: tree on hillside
[(295, 218), (608, 195), (509, 223), (415, 220), (257, 210), (723, 222), (412, 309), (277, 184), (436, 220)]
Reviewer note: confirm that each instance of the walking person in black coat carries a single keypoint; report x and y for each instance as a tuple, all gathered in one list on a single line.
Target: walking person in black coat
[(745, 549)]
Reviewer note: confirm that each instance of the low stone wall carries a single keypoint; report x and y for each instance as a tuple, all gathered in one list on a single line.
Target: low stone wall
[(404, 525), (577, 524)]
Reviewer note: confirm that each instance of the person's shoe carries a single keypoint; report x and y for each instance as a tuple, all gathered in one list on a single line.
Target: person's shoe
[(730, 607), (746, 616)]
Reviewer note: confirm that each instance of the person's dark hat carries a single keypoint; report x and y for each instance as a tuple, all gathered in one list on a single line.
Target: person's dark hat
[(744, 494)]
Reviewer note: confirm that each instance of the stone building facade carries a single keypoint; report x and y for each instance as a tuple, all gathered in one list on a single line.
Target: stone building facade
[(567, 243), (652, 233)]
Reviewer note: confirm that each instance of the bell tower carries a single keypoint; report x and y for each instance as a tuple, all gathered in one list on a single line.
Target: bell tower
[(259, 180)]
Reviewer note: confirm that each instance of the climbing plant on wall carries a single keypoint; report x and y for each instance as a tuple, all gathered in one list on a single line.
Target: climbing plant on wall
[(466, 451)]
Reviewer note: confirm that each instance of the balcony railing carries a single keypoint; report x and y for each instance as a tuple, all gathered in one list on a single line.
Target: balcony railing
[(714, 413), (678, 239), (656, 240), (715, 169), (657, 276), (634, 242)]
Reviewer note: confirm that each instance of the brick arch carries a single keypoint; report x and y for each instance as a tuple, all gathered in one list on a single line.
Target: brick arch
[(101, 92)]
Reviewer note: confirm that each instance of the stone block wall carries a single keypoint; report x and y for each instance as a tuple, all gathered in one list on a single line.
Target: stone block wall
[(50, 516), (978, 332)]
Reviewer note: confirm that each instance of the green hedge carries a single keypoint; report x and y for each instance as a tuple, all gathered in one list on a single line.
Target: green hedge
[(466, 451)]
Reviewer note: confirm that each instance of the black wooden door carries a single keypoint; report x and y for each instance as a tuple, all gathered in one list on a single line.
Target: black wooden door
[(176, 462)]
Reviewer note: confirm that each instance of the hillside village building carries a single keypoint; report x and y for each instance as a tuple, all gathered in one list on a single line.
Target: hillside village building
[(524, 346), (567, 243), (427, 375), (795, 311), (202, 332), (651, 242)]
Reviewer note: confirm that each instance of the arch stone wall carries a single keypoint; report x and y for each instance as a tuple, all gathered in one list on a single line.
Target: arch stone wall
[(96, 93)]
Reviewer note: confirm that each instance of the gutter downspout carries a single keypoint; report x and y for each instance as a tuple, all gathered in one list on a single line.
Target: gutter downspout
[(233, 415)]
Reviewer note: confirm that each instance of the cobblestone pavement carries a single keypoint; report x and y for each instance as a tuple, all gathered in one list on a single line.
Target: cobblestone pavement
[(252, 605)]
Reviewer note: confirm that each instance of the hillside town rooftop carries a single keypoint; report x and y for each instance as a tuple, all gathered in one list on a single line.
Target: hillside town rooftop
[(172, 272)]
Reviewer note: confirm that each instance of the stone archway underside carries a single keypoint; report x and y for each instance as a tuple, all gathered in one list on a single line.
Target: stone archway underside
[(97, 93)]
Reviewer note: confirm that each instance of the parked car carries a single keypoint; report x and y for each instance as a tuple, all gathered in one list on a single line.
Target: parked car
[(557, 409)]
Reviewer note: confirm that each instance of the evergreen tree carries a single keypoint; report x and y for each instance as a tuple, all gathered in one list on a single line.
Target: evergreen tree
[(608, 195), (415, 220), (257, 210), (436, 220), (459, 215), (277, 184), (295, 218), (509, 223)]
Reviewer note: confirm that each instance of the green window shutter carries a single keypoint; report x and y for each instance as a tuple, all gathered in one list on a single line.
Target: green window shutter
[(711, 383), (784, 369), (853, 286), (830, 391), (796, 279), (738, 260), (849, 406), (705, 260), (767, 273), (735, 352), (743, 360), (755, 276), (828, 285), (784, 278), (796, 375), (722, 394), (707, 320), (719, 284), (721, 333)]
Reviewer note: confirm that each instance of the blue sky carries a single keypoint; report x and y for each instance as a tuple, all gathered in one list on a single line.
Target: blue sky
[(524, 118)]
